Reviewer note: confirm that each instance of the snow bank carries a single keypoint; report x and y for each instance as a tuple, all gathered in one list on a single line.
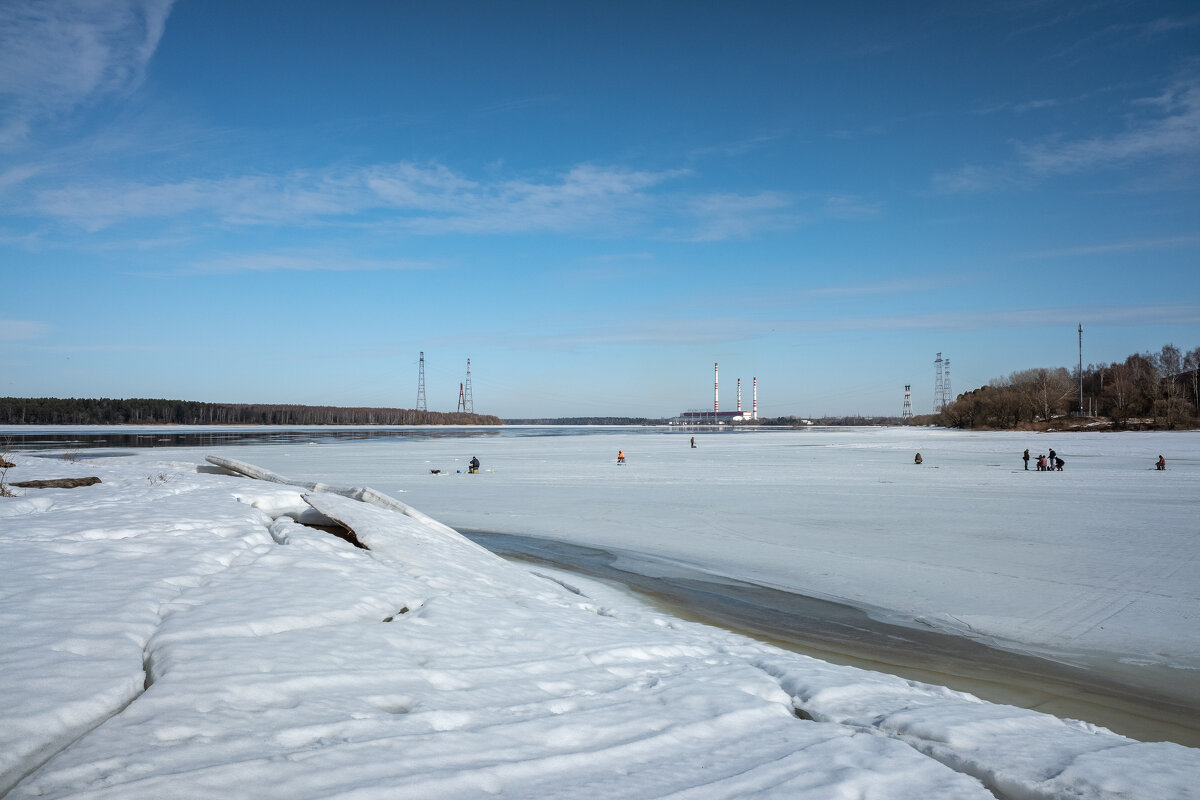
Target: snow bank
[(166, 636)]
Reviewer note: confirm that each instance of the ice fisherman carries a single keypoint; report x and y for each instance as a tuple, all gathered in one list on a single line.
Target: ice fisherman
[(620, 456), (1161, 463), (1025, 457), (474, 465), (693, 442), (1041, 463), (1058, 463), (917, 459), (1053, 456)]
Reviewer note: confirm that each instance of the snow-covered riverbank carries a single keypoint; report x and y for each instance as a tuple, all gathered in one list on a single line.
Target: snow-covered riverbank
[(1092, 565), (170, 632)]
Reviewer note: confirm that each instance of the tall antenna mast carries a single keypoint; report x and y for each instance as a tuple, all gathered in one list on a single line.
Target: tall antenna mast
[(421, 385), (906, 414), (939, 394), (469, 401), (1081, 369)]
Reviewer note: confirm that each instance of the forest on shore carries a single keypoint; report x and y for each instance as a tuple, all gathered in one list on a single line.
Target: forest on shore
[(136, 411), (1146, 390)]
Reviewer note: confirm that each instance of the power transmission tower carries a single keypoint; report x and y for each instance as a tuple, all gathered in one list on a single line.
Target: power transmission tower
[(421, 385), (462, 402), (906, 414), (469, 402), (939, 395), (947, 395)]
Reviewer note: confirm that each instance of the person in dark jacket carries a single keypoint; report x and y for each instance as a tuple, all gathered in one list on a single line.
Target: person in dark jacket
[(1025, 457), (474, 467)]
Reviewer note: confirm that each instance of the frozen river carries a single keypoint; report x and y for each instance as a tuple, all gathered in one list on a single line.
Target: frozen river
[(1063, 581)]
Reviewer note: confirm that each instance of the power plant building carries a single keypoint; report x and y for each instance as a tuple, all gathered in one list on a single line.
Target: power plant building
[(717, 416)]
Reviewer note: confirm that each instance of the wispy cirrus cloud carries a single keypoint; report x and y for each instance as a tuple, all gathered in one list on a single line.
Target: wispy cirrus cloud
[(686, 330), (280, 262), (1173, 129), (1118, 247), (735, 216), (433, 199), (418, 198), (56, 55), (1160, 127), (12, 330)]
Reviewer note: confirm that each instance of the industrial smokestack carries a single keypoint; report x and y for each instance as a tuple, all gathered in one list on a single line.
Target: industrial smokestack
[(739, 396), (754, 414), (716, 390)]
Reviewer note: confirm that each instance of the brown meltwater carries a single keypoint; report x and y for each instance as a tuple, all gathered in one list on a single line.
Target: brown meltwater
[(1149, 703)]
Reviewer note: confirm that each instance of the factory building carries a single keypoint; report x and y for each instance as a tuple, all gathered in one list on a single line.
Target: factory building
[(717, 416)]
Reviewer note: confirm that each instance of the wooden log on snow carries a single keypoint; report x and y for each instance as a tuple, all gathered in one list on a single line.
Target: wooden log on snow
[(56, 483)]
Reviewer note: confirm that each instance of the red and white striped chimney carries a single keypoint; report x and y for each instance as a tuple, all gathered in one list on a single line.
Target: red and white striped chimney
[(754, 414), (739, 396), (716, 391)]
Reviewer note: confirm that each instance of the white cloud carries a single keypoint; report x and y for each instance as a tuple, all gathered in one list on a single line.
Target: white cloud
[(1170, 129), (432, 199), (1176, 130), (970, 178), (421, 199), (1118, 247), (56, 55), (733, 216), (271, 262), (12, 330)]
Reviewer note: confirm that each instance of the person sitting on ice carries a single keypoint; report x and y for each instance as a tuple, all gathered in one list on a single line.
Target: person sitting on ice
[(620, 456), (474, 466), (1161, 463), (1041, 462), (917, 458)]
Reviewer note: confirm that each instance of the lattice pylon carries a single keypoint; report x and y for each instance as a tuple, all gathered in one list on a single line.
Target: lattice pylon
[(462, 401), (421, 385), (906, 414), (939, 399), (947, 394), (468, 400)]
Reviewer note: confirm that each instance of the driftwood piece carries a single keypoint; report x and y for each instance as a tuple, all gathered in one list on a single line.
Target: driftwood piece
[(56, 483)]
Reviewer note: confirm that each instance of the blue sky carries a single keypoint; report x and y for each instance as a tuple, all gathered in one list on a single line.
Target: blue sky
[(593, 202)]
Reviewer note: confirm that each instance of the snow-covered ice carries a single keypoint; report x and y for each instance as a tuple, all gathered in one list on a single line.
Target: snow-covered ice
[(1101, 557), (172, 632)]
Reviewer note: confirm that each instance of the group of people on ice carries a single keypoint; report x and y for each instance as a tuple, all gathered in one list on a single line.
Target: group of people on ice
[(1045, 463)]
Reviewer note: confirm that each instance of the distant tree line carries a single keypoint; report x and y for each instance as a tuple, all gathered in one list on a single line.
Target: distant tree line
[(1160, 390), (111, 411)]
